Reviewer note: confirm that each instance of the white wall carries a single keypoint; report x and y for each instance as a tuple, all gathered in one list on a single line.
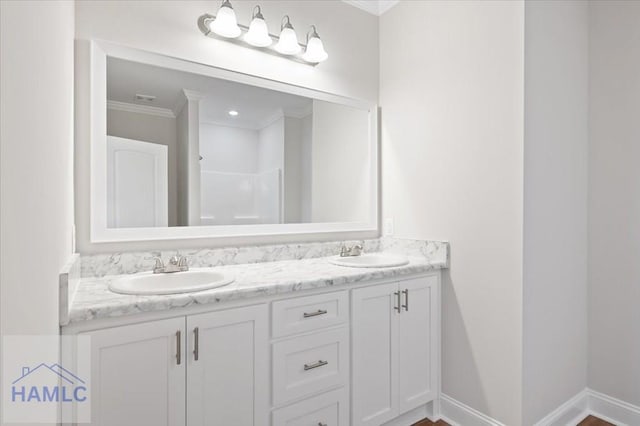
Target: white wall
[(306, 168), (350, 36), (228, 149), (293, 169), (36, 163), (555, 205), (271, 147), (451, 95), (614, 199), (340, 170), (150, 128)]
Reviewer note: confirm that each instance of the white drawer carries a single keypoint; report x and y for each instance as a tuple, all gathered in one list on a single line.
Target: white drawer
[(302, 314), (308, 364), (330, 409)]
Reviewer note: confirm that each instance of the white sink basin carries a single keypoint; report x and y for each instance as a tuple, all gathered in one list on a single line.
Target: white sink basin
[(147, 283), (372, 260)]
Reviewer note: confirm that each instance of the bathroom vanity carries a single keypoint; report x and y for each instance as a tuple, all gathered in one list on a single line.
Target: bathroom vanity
[(289, 342), (277, 335)]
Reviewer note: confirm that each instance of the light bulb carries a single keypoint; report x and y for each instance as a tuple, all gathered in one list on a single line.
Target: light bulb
[(288, 41), (225, 24), (258, 34), (315, 49)]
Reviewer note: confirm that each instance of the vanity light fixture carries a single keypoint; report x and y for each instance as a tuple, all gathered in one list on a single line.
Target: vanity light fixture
[(314, 51), (288, 40), (224, 26), (258, 34), (233, 113)]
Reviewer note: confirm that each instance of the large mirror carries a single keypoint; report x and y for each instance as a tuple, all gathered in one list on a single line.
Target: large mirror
[(183, 148)]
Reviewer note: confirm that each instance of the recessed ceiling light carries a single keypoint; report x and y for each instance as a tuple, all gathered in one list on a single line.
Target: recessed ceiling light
[(233, 113)]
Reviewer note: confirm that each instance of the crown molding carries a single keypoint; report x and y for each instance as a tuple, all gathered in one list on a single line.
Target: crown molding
[(375, 7), (140, 109), (185, 96)]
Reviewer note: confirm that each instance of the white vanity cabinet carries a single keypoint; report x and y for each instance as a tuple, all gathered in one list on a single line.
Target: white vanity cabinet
[(361, 356), (209, 369), (228, 368), (138, 374), (395, 334)]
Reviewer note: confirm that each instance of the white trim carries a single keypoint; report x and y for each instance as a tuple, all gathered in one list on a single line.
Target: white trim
[(612, 409), (269, 120), (375, 7), (585, 403), (589, 402), (458, 414), (571, 412), (99, 230), (140, 109)]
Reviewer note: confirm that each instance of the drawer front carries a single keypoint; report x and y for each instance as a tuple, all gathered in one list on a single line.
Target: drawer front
[(302, 314), (328, 409), (309, 364)]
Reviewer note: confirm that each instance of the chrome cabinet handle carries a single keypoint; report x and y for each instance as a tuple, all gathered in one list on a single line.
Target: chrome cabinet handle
[(315, 365), (196, 343), (397, 306), (322, 424), (406, 299), (179, 344), (314, 314)]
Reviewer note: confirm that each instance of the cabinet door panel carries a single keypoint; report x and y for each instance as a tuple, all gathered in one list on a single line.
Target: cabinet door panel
[(228, 384), (135, 377), (374, 354), (416, 334)]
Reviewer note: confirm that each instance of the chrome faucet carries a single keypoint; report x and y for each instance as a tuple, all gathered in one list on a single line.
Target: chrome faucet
[(354, 250), (176, 263)]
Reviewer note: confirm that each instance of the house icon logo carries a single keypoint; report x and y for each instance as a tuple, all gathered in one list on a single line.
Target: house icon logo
[(48, 383)]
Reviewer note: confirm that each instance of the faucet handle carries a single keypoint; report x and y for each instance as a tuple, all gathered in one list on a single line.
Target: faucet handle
[(159, 266), (182, 261)]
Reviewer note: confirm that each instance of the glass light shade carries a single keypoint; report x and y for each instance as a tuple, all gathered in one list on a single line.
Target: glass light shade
[(258, 34), (315, 51), (225, 24), (288, 42)]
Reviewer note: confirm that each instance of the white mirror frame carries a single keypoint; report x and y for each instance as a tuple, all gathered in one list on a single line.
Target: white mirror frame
[(99, 230)]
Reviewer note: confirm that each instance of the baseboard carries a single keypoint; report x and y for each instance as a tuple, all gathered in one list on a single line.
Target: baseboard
[(458, 414), (585, 403), (589, 402), (569, 413), (612, 409)]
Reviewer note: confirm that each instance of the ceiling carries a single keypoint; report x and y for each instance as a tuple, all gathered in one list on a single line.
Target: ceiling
[(255, 105), (375, 7)]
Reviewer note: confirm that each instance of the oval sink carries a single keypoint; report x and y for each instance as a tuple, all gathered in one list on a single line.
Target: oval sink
[(148, 283), (373, 260)]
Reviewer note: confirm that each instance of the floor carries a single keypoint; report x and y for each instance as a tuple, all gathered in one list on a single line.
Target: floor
[(589, 421)]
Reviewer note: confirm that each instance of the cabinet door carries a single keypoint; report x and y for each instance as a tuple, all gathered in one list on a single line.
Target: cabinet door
[(228, 368), (374, 354), (417, 334), (137, 377)]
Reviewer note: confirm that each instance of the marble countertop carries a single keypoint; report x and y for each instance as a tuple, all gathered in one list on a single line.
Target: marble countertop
[(94, 300)]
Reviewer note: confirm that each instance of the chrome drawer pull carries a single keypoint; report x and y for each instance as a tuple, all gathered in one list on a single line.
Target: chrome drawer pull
[(406, 299), (196, 345), (314, 314), (315, 365), (178, 347), (322, 424), (398, 302)]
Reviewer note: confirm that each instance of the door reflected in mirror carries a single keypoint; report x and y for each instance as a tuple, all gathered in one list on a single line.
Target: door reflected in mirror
[(186, 149)]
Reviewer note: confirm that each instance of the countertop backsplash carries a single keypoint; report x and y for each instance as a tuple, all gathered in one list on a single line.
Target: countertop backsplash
[(100, 265)]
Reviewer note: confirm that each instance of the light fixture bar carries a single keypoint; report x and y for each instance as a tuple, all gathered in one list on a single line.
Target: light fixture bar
[(203, 26)]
